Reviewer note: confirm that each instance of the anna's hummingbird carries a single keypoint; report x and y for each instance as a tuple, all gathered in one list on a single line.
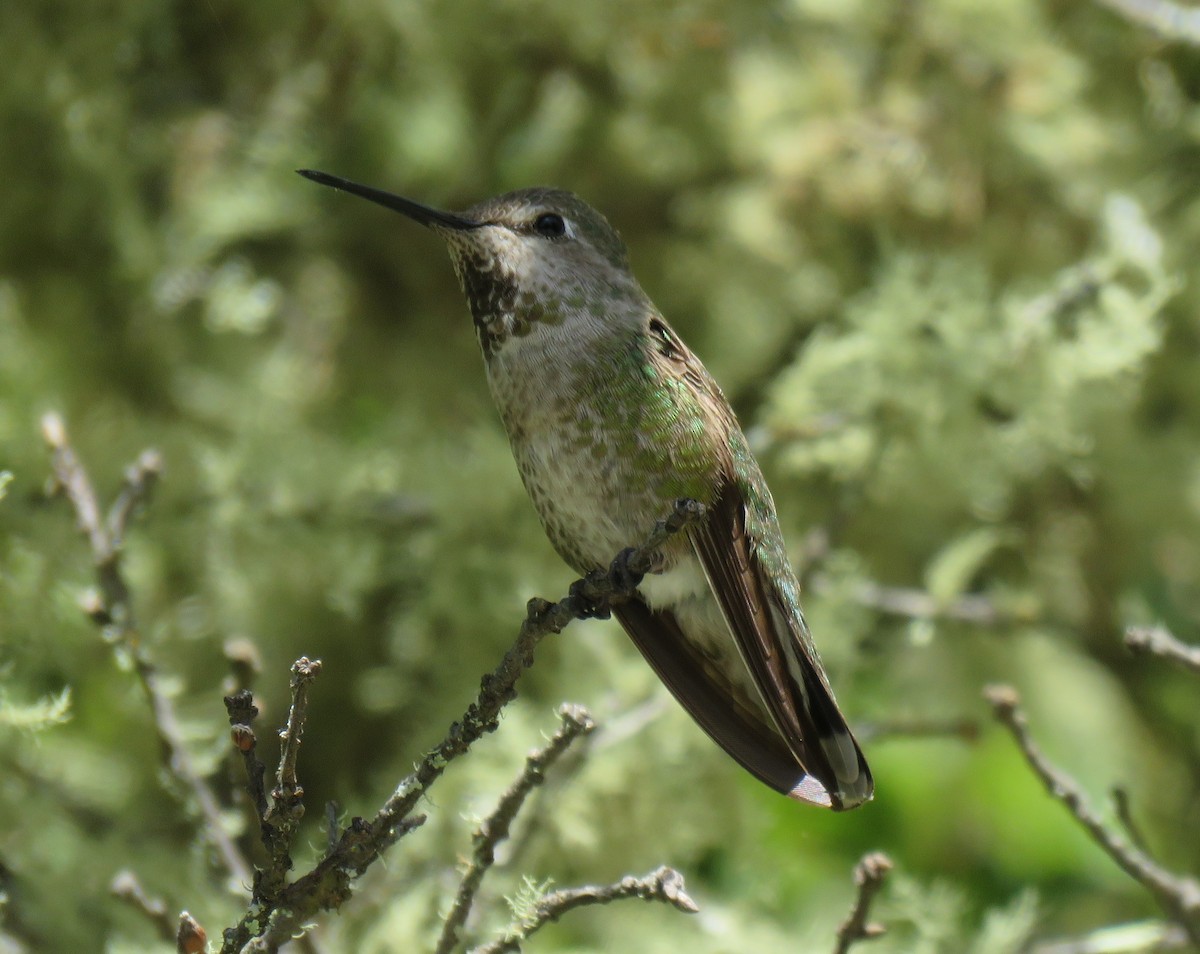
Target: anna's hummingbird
[(611, 419)]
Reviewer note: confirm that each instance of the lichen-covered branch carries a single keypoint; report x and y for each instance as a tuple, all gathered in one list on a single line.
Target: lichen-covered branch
[(1178, 895), (588, 597), (665, 885), (304, 671), (279, 817), (869, 875), (328, 884), (287, 798), (1157, 641), (112, 609), (973, 608), (576, 722)]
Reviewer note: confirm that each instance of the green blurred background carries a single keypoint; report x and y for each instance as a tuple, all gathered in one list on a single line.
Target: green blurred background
[(939, 253)]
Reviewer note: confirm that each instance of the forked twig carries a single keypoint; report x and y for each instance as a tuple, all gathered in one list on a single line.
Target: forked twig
[(1178, 895), (665, 885), (112, 609), (869, 875), (495, 828)]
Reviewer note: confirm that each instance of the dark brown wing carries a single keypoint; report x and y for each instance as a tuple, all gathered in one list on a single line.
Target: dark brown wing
[(774, 647), (793, 737), (732, 721)]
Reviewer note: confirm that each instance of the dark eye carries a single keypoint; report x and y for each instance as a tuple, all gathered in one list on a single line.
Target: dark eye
[(550, 225)]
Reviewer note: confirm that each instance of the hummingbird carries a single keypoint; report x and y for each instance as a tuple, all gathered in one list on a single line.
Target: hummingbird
[(611, 419)]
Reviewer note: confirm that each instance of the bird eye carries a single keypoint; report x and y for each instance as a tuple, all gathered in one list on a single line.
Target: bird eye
[(550, 225)]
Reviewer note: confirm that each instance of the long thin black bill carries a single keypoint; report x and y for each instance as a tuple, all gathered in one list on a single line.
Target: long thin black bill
[(414, 210)]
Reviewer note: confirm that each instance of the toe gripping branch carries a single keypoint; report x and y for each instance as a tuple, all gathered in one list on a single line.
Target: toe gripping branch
[(594, 596)]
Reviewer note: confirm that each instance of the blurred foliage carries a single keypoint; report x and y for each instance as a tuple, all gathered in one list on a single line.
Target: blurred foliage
[(935, 250)]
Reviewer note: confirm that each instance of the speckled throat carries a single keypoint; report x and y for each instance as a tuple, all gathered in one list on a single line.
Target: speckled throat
[(491, 291)]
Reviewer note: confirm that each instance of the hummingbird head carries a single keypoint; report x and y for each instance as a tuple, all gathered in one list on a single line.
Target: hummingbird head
[(526, 260)]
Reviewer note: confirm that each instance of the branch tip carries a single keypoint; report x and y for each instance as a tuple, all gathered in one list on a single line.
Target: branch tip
[(1002, 698), (126, 887), (577, 716), (305, 669), (54, 430), (869, 875), (1158, 641), (674, 891)]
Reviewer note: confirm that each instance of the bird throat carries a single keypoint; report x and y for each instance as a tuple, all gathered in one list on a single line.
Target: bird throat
[(491, 292)]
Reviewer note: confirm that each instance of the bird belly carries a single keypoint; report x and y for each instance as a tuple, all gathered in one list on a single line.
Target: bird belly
[(603, 445), (596, 495), (592, 504)]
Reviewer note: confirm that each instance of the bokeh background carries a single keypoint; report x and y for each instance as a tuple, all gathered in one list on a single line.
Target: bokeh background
[(939, 253)]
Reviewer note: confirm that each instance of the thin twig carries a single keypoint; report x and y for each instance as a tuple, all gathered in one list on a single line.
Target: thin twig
[(1169, 20), (286, 809), (304, 671), (625, 725), (1124, 810), (973, 608), (140, 478), (360, 844), (1157, 641), (542, 800), (242, 713), (112, 608), (279, 817), (126, 887), (963, 729), (495, 828), (1178, 895), (665, 885), (869, 875)]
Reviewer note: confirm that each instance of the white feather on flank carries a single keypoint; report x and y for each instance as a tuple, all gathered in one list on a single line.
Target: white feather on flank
[(683, 582)]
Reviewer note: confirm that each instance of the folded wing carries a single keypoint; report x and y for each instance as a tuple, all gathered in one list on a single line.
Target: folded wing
[(777, 651), (793, 737)]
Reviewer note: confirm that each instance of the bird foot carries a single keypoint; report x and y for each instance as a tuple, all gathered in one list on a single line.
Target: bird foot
[(624, 578), (587, 606)]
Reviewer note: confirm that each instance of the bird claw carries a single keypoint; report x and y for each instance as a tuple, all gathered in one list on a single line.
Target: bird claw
[(626, 579), (586, 606)]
